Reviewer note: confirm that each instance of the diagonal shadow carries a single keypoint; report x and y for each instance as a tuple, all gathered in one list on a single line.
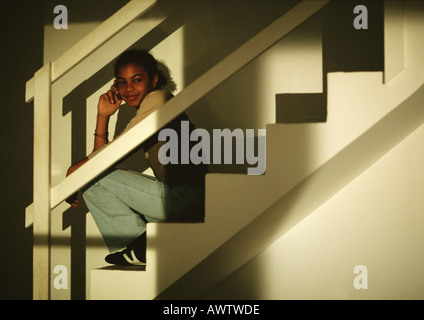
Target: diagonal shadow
[(302, 200)]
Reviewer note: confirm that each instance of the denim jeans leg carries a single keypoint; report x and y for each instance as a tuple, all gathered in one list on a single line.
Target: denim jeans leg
[(117, 222), (118, 200)]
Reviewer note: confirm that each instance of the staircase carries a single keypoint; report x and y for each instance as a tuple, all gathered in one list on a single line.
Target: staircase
[(368, 114)]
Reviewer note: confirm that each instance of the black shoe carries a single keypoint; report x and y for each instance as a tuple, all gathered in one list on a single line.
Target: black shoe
[(134, 254), (125, 257)]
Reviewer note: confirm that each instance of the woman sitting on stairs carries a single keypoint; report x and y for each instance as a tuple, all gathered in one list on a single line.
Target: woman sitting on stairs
[(123, 201)]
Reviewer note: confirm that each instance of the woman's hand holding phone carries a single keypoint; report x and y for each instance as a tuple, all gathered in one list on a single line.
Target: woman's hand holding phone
[(109, 102)]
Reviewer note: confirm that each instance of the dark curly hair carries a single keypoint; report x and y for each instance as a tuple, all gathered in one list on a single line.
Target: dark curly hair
[(145, 59)]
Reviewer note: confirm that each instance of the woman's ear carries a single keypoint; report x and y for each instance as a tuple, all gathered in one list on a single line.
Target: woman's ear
[(155, 81)]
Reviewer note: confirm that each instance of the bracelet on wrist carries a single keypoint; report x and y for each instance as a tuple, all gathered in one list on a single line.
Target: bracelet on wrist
[(103, 136)]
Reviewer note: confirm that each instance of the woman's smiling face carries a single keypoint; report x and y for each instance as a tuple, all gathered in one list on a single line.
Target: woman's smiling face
[(134, 84)]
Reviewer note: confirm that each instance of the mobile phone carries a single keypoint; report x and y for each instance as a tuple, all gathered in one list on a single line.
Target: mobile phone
[(118, 96)]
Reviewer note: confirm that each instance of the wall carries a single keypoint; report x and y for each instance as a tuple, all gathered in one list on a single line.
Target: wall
[(375, 221), (23, 56), (202, 34)]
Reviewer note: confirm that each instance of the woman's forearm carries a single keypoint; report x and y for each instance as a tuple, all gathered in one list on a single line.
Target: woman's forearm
[(101, 134), (76, 166)]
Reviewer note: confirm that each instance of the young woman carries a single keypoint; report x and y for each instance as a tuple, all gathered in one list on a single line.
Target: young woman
[(123, 201)]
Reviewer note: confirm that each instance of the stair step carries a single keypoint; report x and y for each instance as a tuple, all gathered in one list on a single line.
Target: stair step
[(114, 283)]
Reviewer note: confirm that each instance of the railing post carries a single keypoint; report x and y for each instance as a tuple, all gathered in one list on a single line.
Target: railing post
[(41, 193), (394, 42)]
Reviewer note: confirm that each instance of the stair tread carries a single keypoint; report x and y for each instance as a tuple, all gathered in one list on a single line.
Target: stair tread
[(121, 268)]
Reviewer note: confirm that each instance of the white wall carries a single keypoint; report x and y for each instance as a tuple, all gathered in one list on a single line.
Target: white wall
[(246, 100), (375, 221)]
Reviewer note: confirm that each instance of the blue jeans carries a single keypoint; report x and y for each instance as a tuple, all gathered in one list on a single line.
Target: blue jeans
[(123, 201)]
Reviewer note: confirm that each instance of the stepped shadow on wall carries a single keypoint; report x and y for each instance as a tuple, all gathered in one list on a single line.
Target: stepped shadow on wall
[(339, 171), (345, 49)]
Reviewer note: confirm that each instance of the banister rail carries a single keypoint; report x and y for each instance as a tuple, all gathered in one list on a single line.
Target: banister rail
[(120, 147)]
